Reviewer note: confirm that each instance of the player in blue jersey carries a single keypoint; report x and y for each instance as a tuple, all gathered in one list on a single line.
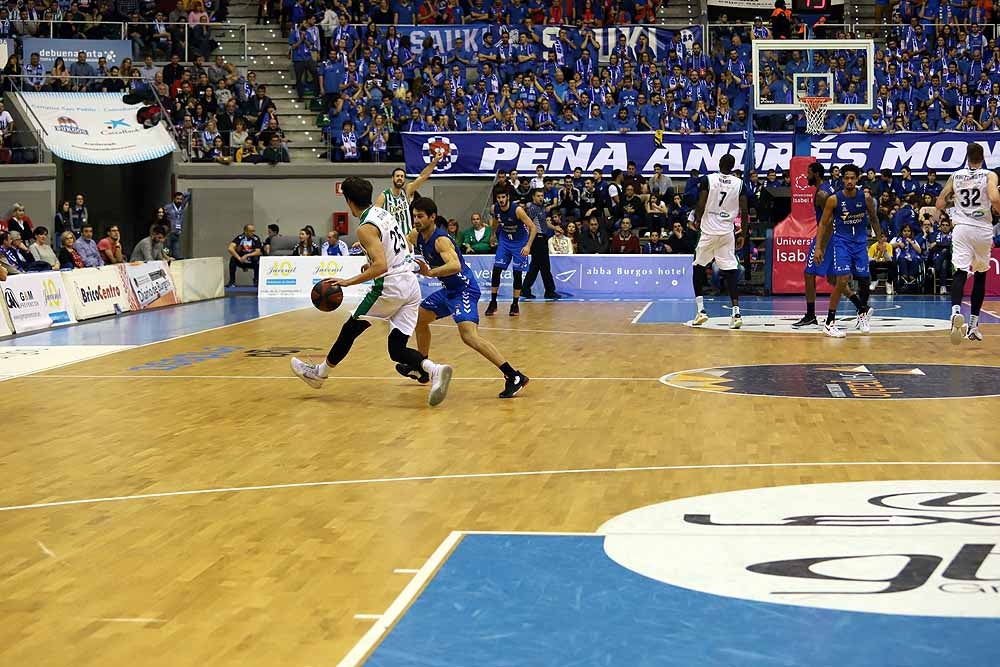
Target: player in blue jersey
[(514, 232), (823, 190), (458, 298), (847, 217)]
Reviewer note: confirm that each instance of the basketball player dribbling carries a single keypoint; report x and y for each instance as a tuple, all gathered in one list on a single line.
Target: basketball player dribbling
[(394, 295)]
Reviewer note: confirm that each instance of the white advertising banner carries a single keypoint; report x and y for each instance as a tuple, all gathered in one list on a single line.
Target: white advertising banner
[(198, 279), (97, 291), (295, 276), (96, 128), (36, 301), (150, 285)]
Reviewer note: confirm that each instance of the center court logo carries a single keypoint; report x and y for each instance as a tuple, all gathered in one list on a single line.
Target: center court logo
[(845, 381), (922, 548)]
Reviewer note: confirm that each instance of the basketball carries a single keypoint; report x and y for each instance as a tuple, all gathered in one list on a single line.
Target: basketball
[(326, 296)]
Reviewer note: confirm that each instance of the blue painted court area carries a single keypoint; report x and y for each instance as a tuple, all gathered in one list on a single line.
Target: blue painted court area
[(151, 326), (560, 600), (929, 307)]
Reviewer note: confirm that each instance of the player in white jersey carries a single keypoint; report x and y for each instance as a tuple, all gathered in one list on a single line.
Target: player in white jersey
[(975, 192), (720, 200), (394, 295), (398, 197)]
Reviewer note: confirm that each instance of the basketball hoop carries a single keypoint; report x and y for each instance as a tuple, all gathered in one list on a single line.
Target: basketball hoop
[(815, 109)]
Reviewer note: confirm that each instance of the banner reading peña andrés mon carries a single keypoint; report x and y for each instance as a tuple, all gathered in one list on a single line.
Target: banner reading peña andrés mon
[(483, 153)]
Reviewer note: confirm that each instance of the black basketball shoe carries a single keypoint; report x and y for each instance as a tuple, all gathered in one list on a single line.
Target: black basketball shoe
[(806, 321), (513, 385), (420, 376)]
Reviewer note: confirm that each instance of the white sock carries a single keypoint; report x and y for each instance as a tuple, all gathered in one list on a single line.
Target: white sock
[(427, 365), (736, 311), (973, 321), (955, 310), (323, 370), (699, 303)]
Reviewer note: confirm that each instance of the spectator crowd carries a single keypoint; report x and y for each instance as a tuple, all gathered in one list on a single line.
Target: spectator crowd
[(935, 69), (71, 243)]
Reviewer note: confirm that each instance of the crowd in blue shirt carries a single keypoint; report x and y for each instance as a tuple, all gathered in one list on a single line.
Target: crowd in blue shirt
[(939, 73)]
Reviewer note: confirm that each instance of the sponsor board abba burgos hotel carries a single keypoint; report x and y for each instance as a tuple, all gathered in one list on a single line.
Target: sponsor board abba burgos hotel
[(910, 548)]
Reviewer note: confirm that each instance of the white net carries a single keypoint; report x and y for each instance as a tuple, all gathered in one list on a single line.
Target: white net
[(815, 109)]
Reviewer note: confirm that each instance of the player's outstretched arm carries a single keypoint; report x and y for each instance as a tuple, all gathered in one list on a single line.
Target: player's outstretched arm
[(368, 237), (992, 181), (825, 227), (947, 191), (415, 184)]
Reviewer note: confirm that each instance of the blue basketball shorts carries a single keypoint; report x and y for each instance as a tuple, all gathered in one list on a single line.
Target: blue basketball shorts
[(825, 268), (462, 305), (849, 257), (509, 252)]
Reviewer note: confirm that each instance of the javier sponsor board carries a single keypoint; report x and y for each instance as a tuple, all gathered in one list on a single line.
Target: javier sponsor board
[(295, 276), (151, 285), (97, 291), (36, 301), (914, 548), (844, 381)]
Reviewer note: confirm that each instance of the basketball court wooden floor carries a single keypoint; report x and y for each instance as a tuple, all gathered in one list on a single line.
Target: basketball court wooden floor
[(189, 502)]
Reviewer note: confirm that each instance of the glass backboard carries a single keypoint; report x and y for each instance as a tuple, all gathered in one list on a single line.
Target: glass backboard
[(787, 70)]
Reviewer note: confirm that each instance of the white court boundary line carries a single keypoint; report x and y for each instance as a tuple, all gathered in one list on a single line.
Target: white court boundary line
[(983, 310), (387, 378), (704, 333), (491, 475), (124, 348), (635, 320), (371, 638), (141, 345)]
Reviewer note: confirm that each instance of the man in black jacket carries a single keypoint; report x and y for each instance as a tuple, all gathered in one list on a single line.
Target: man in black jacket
[(593, 240)]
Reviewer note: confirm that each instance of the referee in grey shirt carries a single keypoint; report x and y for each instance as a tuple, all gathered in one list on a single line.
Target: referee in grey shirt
[(539, 248)]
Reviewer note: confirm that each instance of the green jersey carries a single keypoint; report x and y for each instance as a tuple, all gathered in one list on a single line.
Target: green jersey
[(399, 208)]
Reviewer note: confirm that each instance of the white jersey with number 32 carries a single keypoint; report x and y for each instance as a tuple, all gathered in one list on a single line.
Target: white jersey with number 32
[(723, 205), (972, 199)]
